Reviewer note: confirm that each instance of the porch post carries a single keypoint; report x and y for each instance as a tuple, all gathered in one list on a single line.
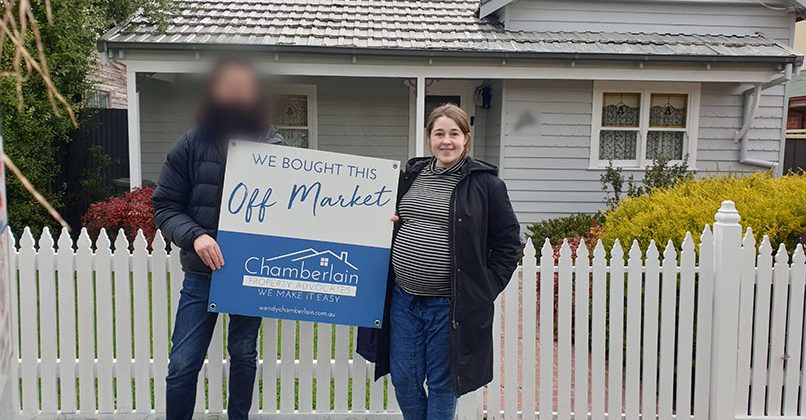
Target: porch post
[(133, 118), (419, 118), (725, 329)]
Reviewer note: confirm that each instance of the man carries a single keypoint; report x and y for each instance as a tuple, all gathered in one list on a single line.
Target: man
[(186, 205)]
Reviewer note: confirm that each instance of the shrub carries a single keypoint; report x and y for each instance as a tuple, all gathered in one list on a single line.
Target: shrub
[(130, 211), (659, 174), (771, 206), (557, 229), (572, 227)]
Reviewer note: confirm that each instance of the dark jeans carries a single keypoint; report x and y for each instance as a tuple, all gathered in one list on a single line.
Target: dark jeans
[(420, 346), (193, 330)]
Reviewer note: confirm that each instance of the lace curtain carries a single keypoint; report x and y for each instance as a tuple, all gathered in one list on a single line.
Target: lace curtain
[(617, 145), (667, 112)]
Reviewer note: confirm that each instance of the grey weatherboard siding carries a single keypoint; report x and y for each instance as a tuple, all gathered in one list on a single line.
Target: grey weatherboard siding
[(546, 163), (547, 143), (369, 117)]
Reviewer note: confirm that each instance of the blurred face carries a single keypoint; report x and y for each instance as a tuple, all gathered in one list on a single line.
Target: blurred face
[(234, 108), (447, 142), (236, 87)]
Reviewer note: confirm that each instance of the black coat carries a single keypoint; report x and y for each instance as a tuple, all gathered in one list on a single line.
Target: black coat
[(188, 196), (485, 236)]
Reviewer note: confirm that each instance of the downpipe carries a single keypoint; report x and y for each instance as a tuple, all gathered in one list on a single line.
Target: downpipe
[(752, 100)]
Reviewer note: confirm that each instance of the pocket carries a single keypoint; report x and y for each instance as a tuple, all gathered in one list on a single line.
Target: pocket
[(475, 328)]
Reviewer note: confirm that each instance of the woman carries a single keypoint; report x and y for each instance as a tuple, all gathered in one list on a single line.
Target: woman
[(455, 245)]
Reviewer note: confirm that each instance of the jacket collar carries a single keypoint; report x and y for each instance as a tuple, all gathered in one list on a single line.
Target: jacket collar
[(415, 165), (270, 136)]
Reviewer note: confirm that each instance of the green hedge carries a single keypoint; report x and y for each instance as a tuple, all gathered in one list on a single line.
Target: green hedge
[(770, 206)]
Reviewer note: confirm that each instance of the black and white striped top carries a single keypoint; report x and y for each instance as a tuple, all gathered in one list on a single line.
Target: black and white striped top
[(421, 253)]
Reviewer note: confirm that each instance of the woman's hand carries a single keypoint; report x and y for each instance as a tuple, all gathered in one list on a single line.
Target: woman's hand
[(209, 252), (394, 218)]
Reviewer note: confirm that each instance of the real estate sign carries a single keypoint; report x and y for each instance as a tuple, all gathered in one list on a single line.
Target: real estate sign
[(305, 234)]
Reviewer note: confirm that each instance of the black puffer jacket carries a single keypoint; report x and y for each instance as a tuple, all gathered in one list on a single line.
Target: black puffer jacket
[(188, 197), (485, 236)]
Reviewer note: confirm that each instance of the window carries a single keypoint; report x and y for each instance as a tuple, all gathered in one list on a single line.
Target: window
[(635, 123), (97, 99), (296, 115)]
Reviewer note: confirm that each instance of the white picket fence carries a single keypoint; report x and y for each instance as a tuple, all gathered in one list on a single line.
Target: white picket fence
[(714, 334)]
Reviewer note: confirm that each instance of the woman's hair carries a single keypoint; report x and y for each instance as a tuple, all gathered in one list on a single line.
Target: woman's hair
[(458, 115)]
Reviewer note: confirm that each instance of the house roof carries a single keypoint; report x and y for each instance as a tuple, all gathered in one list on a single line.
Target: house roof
[(414, 27), (489, 7)]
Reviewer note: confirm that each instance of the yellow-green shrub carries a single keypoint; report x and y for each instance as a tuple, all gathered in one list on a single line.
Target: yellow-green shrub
[(770, 206)]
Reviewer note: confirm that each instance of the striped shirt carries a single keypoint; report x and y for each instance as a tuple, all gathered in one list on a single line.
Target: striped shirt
[(421, 253)]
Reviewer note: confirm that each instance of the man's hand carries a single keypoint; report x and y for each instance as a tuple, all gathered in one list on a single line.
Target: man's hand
[(209, 252), (394, 218)]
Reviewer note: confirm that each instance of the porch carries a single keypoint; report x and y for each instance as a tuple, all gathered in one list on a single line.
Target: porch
[(373, 117)]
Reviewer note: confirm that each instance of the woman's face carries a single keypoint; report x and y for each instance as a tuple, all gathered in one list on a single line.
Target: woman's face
[(447, 141)]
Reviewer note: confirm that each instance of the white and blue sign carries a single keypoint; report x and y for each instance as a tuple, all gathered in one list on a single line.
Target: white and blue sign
[(305, 235)]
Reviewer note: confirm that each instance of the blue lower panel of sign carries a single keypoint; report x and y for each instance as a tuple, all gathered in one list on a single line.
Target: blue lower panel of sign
[(300, 279)]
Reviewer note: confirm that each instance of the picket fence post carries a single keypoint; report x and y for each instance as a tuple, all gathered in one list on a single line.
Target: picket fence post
[(724, 341)]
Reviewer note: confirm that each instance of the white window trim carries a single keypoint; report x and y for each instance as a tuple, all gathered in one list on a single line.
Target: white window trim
[(310, 92), (693, 91)]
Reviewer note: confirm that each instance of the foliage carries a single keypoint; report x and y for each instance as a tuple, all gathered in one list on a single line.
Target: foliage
[(571, 227), (130, 211), (770, 206), (659, 174), (33, 133), (556, 229), (116, 12)]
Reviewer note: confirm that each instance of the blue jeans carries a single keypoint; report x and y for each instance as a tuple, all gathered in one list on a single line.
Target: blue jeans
[(420, 352), (193, 330)]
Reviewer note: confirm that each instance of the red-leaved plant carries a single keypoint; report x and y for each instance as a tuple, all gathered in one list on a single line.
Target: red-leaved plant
[(130, 211)]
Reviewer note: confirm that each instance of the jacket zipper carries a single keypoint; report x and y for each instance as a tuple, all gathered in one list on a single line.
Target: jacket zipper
[(451, 235)]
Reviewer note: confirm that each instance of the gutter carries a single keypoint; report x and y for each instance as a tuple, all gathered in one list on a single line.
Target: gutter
[(784, 58), (752, 99)]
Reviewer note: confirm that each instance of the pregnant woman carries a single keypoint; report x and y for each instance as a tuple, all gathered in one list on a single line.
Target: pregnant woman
[(455, 245)]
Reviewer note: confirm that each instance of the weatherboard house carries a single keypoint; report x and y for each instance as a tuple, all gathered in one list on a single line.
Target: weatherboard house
[(556, 88)]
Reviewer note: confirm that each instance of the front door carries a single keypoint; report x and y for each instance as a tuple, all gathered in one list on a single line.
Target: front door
[(458, 92)]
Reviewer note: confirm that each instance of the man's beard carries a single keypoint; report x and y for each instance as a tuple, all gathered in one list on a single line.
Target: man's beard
[(234, 121)]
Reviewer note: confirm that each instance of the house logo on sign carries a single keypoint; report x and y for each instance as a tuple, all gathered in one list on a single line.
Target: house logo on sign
[(309, 269)]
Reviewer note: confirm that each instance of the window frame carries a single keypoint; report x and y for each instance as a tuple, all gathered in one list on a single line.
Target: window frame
[(97, 92), (309, 91), (646, 90)]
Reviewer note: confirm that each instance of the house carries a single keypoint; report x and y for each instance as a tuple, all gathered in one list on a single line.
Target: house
[(109, 85), (795, 149), (556, 88)]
